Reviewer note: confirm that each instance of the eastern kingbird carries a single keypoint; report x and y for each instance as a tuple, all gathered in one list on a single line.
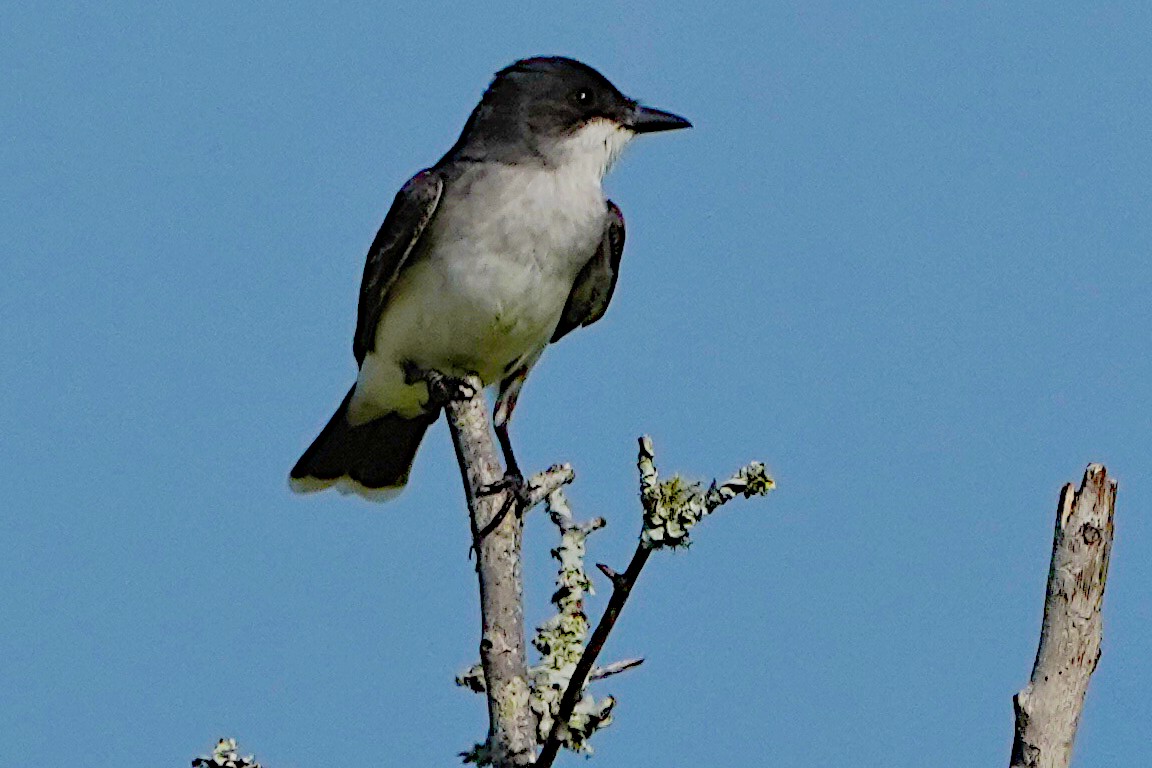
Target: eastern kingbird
[(504, 246)]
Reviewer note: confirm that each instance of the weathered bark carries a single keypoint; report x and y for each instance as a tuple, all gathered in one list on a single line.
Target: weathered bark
[(1048, 709), (511, 737)]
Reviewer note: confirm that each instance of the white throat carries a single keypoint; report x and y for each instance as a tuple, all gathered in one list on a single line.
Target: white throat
[(592, 149)]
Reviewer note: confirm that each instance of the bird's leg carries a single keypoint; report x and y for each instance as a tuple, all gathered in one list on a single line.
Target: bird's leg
[(519, 492), (513, 480), (512, 467)]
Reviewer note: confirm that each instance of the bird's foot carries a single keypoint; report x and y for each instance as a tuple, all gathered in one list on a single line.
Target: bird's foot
[(442, 389), (519, 489), (518, 500)]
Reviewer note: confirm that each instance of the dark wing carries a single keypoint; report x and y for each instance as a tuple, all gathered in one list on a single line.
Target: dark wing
[(411, 211), (597, 280)]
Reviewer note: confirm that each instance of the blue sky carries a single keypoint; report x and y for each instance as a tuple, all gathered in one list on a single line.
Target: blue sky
[(903, 257)]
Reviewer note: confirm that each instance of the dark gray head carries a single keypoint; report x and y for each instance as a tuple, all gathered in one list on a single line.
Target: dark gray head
[(539, 108)]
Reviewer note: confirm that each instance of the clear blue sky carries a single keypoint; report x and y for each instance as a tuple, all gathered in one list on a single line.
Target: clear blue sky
[(904, 258)]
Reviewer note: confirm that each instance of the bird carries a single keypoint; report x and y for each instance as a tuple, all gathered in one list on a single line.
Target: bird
[(504, 246)]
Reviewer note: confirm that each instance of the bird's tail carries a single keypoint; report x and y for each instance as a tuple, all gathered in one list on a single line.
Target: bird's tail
[(372, 459)]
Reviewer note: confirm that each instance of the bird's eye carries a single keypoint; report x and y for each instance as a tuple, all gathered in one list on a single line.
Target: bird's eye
[(581, 97)]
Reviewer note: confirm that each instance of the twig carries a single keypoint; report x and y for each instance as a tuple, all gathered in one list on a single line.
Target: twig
[(615, 668), (1048, 709), (543, 484)]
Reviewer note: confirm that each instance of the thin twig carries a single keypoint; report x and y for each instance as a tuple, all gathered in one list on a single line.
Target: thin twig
[(543, 484), (615, 668)]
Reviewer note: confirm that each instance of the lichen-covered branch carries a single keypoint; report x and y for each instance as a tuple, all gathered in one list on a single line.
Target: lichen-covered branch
[(225, 755), (560, 639), (548, 705), (1048, 709), (544, 484), (671, 509)]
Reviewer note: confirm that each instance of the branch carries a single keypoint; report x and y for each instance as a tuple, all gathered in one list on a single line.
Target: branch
[(511, 740), (615, 668), (543, 484), (560, 639), (671, 508), (1048, 709)]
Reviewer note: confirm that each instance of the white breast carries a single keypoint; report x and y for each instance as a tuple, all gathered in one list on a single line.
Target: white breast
[(495, 269)]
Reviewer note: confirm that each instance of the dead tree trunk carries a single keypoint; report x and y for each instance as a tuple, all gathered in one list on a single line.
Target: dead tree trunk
[(1048, 709)]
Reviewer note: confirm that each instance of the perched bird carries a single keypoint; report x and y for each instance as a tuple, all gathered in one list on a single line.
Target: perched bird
[(504, 246)]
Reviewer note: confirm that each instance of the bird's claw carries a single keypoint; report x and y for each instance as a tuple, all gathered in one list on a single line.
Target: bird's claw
[(514, 483), (442, 389), (518, 500), (448, 389)]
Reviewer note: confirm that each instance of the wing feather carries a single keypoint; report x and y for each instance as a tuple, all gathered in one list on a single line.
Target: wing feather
[(413, 208), (597, 280)]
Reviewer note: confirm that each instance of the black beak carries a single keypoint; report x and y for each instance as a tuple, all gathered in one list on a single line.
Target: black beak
[(648, 120)]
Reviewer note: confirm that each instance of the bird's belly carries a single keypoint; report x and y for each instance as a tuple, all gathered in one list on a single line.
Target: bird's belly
[(482, 315), (457, 314)]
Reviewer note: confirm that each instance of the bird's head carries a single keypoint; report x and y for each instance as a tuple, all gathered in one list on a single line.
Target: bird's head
[(560, 111)]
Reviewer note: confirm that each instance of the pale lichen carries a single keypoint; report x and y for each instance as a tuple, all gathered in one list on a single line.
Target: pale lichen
[(560, 639), (480, 754), (472, 679), (225, 755), (672, 507), (512, 696), (560, 642)]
